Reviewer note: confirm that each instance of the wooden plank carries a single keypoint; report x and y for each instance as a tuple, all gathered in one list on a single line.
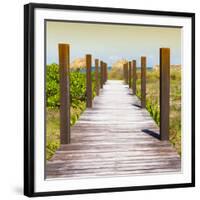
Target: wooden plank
[(123, 160), (107, 146), (104, 156), (120, 150), (164, 92), (98, 161), (97, 76), (131, 164), (113, 173), (120, 167), (143, 82), (64, 60), (134, 75), (88, 81)]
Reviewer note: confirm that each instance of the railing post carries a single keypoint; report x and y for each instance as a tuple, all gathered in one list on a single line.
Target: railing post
[(101, 72), (134, 76), (129, 74), (164, 92), (64, 60), (126, 73), (143, 82), (97, 76), (106, 72), (88, 81)]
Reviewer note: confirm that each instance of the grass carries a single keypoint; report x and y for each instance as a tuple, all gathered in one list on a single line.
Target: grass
[(53, 126), (152, 104), (52, 131), (115, 74)]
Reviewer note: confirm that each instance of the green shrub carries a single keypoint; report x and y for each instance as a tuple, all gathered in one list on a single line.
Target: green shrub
[(77, 102), (52, 86), (77, 86)]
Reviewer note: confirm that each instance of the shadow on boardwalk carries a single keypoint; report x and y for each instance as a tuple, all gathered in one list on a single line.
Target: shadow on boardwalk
[(114, 138)]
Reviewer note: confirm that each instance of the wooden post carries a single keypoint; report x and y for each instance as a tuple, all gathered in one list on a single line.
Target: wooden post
[(64, 60), (126, 73), (97, 76), (106, 72), (164, 92), (101, 72), (134, 76), (88, 81), (129, 74), (143, 82)]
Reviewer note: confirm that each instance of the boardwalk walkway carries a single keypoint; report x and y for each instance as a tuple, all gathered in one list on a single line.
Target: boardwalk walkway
[(116, 137)]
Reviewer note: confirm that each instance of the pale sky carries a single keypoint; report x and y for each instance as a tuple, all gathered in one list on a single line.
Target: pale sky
[(112, 42)]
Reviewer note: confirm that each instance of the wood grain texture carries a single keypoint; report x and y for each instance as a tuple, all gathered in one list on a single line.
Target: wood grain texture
[(143, 82), (64, 56), (114, 138), (126, 73), (129, 73), (164, 92), (101, 72), (134, 76), (88, 81), (106, 72), (97, 76)]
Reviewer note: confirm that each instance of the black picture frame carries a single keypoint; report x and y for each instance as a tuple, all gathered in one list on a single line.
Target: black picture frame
[(29, 103)]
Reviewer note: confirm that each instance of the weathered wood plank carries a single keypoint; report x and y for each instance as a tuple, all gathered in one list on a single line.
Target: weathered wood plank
[(120, 167), (113, 173), (56, 163), (117, 147)]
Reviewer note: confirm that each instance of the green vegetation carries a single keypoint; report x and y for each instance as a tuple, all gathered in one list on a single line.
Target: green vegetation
[(152, 102), (77, 99)]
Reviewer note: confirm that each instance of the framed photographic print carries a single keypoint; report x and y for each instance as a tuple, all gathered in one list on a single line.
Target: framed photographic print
[(108, 99)]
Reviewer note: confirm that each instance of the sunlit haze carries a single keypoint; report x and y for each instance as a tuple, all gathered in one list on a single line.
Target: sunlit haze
[(112, 42)]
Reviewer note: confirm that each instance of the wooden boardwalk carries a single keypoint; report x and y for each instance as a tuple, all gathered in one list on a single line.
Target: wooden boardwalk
[(114, 138)]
